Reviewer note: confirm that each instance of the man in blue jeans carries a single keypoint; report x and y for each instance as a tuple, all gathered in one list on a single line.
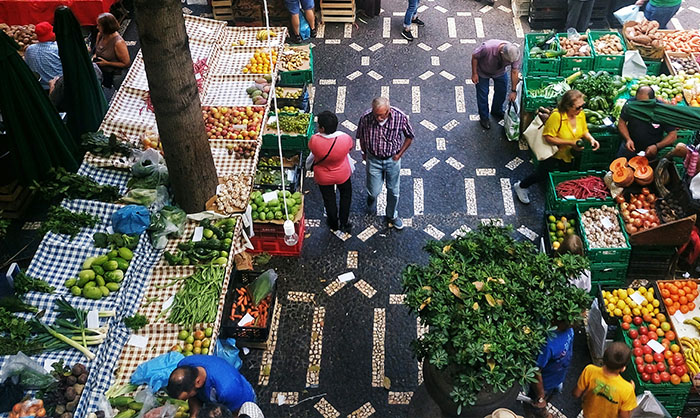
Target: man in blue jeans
[(489, 61), (660, 10), (410, 17), (384, 133), (294, 10)]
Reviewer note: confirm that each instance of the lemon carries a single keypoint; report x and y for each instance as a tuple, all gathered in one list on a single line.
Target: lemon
[(611, 307), (642, 290), (645, 302), (630, 291), (618, 312), (655, 303), (615, 292), (636, 312), (552, 218), (656, 311), (645, 311), (622, 293), (633, 304), (651, 290), (650, 297), (627, 310), (621, 304)]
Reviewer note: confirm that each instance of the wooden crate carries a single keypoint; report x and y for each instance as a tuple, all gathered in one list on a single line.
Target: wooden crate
[(222, 9), (338, 11)]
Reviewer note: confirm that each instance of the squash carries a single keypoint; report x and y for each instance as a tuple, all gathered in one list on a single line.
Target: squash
[(618, 163), (635, 162), (644, 175), (623, 176)]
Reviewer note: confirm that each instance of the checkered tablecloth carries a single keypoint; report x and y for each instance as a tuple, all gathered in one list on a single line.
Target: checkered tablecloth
[(105, 176), (228, 90), (229, 60), (232, 36), (136, 77), (203, 30), (230, 164), (117, 161)]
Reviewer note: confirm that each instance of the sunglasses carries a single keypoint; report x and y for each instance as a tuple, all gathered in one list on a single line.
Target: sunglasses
[(579, 107)]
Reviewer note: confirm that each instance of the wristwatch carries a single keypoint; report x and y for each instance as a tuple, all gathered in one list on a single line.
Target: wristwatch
[(540, 400), (514, 90)]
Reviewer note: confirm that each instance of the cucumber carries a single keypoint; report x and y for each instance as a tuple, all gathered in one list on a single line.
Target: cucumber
[(121, 401)]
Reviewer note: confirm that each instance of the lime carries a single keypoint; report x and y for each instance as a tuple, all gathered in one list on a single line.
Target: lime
[(189, 339), (551, 218), (183, 335), (208, 332)]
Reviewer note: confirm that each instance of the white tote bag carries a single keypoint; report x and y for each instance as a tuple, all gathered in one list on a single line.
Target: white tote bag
[(541, 148)]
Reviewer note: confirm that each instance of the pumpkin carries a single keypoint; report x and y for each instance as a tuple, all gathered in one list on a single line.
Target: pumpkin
[(644, 175), (623, 176), (635, 162), (618, 163)]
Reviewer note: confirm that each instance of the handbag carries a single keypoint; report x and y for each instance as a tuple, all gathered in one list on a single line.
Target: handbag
[(535, 140), (310, 163)]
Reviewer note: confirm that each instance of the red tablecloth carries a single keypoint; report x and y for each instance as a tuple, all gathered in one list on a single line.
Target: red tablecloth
[(24, 12)]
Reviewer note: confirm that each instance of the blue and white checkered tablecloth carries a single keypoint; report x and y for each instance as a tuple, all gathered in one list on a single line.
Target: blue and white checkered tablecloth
[(106, 176)]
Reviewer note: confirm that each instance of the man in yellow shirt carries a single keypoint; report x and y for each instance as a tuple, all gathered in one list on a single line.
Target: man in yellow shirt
[(605, 393)]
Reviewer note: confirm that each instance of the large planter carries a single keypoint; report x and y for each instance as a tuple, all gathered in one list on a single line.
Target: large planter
[(438, 383)]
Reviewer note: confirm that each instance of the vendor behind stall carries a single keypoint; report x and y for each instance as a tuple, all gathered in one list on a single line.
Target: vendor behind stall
[(204, 378), (641, 135)]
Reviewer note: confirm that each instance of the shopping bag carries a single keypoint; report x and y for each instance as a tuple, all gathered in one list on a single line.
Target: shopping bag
[(511, 122), (533, 135), (649, 407), (628, 13), (634, 66)]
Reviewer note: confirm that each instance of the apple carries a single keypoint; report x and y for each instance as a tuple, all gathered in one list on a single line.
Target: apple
[(678, 360)]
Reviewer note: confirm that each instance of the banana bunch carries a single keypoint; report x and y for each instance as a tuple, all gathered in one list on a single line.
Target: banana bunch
[(265, 34), (695, 321), (691, 352)]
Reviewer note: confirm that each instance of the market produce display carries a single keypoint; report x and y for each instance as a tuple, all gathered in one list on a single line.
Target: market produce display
[(289, 109), (560, 228), (196, 301), (195, 342), (212, 246), (601, 89), (554, 90), (105, 145), (274, 209), (101, 275), (602, 228), (62, 399), (242, 150), (619, 303), (293, 124), (245, 305), (24, 35), (233, 193), (691, 90), (608, 44), (294, 58), (265, 34), (679, 295), (128, 407), (682, 41), (233, 122), (637, 169), (671, 209), (260, 90), (644, 33), (683, 64), (288, 92), (63, 221), (575, 47), (638, 212), (61, 184), (24, 283), (547, 48), (668, 88), (33, 408), (583, 188), (691, 352), (259, 63)]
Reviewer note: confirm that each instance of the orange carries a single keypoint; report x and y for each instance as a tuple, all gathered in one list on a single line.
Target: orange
[(668, 302), (671, 310), (652, 327), (684, 309), (661, 317), (683, 300), (646, 318), (665, 293), (668, 353), (686, 289), (627, 318), (670, 335), (675, 297), (656, 322), (675, 348), (681, 292), (691, 306), (692, 284), (675, 379)]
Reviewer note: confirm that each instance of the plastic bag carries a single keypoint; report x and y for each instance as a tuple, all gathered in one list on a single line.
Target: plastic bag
[(166, 411), (149, 170), (597, 329), (169, 222), (131, 220), (156, 371), (649, 407), (157, 197), (149, 401), (26, 372), (104, 406), (634, 65), (227, 350), (627, 14), (511, 122), (262, 286), (583, 281), (304, 28)]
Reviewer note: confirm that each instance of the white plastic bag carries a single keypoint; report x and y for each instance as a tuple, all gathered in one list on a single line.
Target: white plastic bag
[(533, 135), (627, 14), (583, 281), (649, 407), (596, 329), (634, 65), (511, 122)]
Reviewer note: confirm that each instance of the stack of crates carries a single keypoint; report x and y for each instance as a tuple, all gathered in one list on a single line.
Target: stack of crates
[(547, 14), (608, 265), (610, 63), (650, 262), (601, 158)]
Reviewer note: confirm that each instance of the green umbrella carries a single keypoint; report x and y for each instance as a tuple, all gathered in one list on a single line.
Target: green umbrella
[(84, 100), (38, 138), (682, 117)]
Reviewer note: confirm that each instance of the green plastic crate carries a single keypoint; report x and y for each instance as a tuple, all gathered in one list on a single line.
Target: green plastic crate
[(556, 204), (570, 65), (297, 142), (607, 273), (302, 76), (653, 67), (531, 103), (539, 66), (604, 255), (595, 160), (685, 136), (610, 63)]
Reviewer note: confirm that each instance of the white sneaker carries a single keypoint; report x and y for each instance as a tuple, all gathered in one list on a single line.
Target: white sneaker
[(521, 193)]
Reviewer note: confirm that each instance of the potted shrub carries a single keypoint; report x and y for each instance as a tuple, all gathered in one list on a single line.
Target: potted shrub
[(489, 302)]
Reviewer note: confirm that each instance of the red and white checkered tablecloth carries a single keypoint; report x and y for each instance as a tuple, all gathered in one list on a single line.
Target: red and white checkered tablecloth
[(228, 90), (230, 164), (129, 114), (202, 29)]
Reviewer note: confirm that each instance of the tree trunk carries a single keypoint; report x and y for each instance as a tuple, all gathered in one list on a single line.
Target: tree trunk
[(175, 98)]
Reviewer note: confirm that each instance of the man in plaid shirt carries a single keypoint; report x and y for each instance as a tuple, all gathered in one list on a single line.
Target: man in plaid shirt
[(384, 133)]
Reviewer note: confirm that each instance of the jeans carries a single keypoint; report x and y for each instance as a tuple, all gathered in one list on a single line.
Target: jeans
[(661, 14), (542, 171), (379, 170), (337, 217), (579, 14), (410, 13), (500, 84)]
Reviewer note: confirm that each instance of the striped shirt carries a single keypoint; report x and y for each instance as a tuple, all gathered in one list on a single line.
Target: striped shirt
[(384, 141), (43, 59)]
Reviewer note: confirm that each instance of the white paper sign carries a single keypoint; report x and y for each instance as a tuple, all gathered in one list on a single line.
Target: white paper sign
[(606, 223), (246, 350), (269, 196), (658, 348), (607, 121), (570, 197), (93, 319), (198, 233), (642, 211), (247, 318), (219, 188), (678, 316), (168, 303), (48, 364), (346, 277), (637, 298), (140, 341), (110, 230)]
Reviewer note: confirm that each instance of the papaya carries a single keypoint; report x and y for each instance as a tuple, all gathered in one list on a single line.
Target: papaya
[(618, 163), (623, 176), (644, 175), (637, 161)]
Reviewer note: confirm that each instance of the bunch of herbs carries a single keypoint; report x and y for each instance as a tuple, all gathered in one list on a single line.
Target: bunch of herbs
[(62, 221), (64, 184)]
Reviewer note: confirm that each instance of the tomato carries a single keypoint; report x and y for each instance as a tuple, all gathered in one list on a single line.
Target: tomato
[(637, 320), (650, 369), (670, 335), (643, 330), (643, 339), (633, 334), (627, 318), (639, 360), (665, 376), (681, 370), (637, 343), (660, 366), (658, 357), (672, 369), (646, 349), (656, 378), (638, 352), (646, 377), (678, 359), (640, 368), (625, 326), (675, 379)]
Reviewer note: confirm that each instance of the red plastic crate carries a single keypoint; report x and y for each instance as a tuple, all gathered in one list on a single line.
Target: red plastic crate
[(269, 238)]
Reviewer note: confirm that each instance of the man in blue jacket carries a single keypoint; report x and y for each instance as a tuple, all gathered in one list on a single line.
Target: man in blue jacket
[(203, 378)]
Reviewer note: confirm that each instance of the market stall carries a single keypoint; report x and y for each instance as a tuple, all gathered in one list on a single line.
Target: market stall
[(25, 12), (180, 280)]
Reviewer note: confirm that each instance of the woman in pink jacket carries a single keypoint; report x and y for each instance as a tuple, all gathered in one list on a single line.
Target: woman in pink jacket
[(331, 166)]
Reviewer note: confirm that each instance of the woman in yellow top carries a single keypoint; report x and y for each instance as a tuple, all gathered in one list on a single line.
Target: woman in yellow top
[(565, 126)]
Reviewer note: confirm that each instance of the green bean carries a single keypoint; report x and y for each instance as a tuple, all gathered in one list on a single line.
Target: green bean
[(197, 300)]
